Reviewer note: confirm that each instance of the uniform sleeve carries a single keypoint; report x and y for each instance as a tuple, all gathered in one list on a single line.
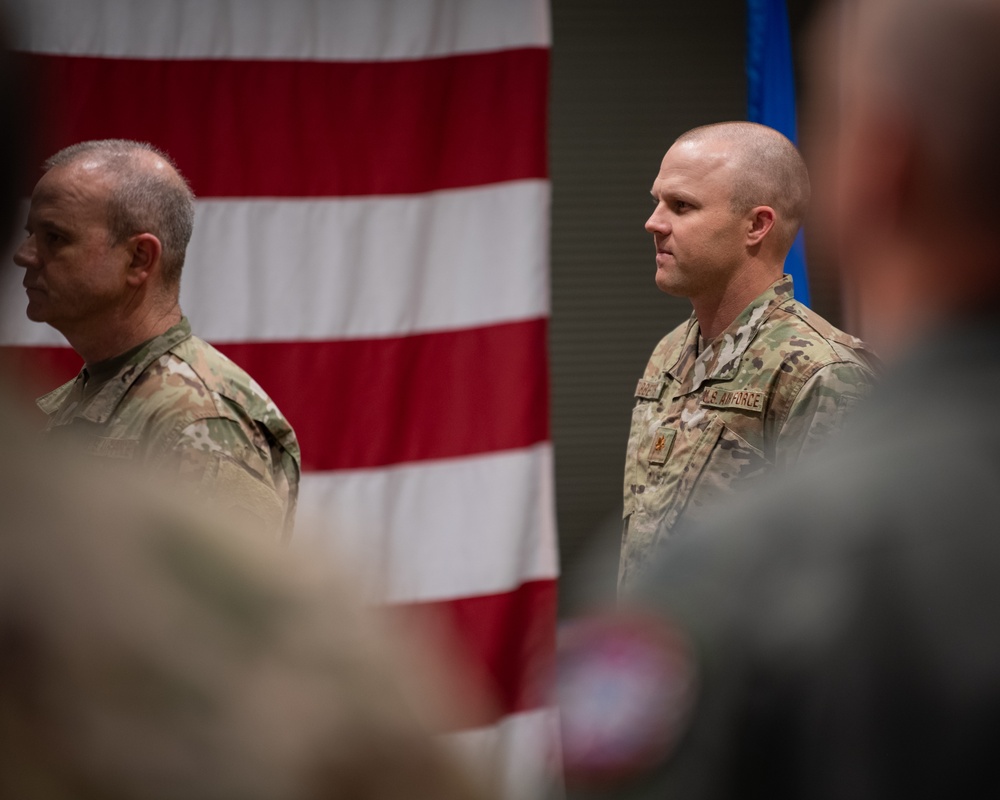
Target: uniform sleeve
[(820, 409), (216, 458)]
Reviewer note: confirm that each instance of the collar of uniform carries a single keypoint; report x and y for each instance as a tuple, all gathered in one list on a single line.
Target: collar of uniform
[(721, 359), (98, 409), (51, 402)]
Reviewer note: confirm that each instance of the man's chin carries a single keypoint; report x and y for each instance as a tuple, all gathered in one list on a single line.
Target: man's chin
[(670, 284), (35, 314)]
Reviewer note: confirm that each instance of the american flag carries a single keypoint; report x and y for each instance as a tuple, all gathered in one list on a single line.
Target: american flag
[(371, 244)]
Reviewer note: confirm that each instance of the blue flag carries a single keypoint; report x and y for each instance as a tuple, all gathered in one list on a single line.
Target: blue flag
[(771, 98)]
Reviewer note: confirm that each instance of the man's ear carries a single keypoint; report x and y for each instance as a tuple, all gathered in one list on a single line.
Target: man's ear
[(762, 219), (145, 250)]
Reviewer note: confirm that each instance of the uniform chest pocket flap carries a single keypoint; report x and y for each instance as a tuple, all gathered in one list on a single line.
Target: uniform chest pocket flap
[(721, 463)]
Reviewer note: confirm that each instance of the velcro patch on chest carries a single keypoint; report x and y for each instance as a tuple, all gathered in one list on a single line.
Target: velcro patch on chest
[(660, 448), (112, 448), (733, 398), (649, 389)]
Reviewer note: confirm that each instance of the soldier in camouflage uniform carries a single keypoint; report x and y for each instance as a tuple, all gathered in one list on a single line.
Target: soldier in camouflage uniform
[(107, 229), (753, 380)]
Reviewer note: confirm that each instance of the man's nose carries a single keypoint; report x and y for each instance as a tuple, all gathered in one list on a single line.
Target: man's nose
[(26, 255), (658, 222)]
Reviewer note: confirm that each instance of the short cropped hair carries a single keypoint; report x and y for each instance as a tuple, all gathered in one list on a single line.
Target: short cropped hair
[(142, 200), (767, 171)]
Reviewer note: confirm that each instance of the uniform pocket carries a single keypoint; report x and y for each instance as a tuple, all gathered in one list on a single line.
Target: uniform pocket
[(722, 463)]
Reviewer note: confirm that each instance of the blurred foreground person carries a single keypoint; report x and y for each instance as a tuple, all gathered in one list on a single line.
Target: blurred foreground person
[(108, 228), (836, 636), (146, 652)]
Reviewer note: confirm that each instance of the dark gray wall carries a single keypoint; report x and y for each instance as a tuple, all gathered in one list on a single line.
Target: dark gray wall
[(627, 78)]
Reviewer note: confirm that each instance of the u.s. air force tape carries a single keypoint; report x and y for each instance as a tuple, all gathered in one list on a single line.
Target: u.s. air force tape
[(745, 399)]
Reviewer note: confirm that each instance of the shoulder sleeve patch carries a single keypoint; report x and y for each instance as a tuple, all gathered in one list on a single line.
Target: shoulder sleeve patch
[(625, 685), (248, 496)]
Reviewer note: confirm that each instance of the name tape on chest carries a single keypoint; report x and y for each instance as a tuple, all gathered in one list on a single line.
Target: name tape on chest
[(648, 389), (112, 448), (736, 398)]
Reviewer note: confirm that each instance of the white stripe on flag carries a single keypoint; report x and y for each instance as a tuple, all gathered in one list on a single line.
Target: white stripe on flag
[(437, 530), (321, 269), (521, 754), (346, 30)]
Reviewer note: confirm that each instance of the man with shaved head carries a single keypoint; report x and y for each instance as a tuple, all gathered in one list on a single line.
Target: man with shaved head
[(107, 230), (753, 380)]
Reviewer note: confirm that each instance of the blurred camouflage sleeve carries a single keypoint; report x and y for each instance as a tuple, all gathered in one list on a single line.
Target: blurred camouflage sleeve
[(165, 655), (218, 460), (820, 409)]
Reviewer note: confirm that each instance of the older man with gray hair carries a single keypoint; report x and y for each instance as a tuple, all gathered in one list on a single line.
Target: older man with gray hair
[(107, 230)]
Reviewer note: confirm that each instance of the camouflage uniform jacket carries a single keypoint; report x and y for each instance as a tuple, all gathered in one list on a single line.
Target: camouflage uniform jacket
[(180, 407), (770, 388)]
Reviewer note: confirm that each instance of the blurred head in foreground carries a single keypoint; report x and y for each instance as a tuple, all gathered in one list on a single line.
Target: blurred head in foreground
[(903, 110)]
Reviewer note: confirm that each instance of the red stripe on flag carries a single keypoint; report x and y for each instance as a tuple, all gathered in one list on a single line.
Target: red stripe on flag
[(310, 128), (374, 402), (39, 368), (504, 646), (33, 371)]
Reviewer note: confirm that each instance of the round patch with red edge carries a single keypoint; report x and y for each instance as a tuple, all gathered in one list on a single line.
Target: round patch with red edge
[(625, 686)]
